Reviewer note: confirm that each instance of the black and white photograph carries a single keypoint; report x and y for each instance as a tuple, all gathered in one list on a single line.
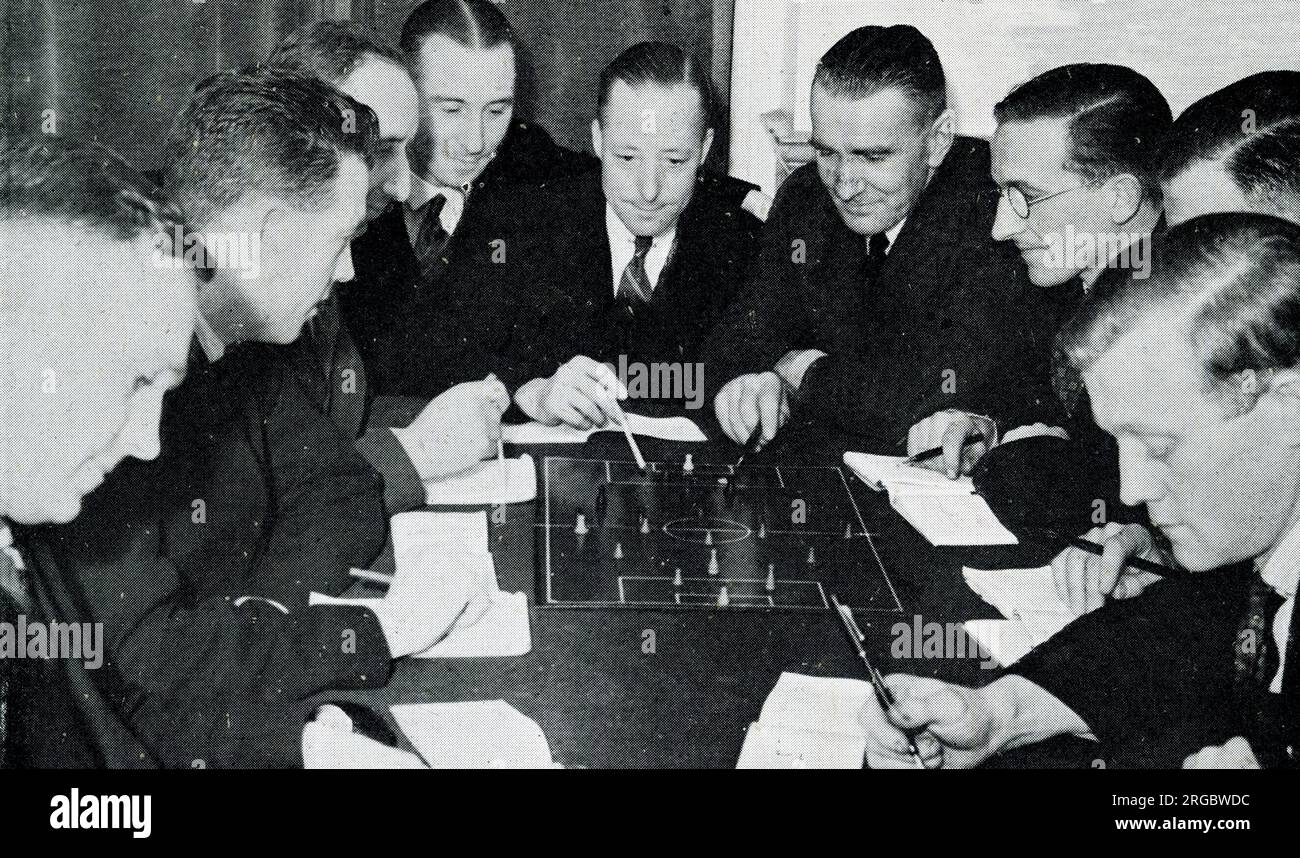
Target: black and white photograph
[(649, 384)]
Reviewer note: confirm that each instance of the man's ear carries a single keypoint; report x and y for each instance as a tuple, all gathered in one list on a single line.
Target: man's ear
[(1125, 193), (939, 138), (1282, 399), (708, 143), (595, 138)]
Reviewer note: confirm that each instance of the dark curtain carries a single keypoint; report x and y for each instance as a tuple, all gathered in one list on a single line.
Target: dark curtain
[(117, 71)]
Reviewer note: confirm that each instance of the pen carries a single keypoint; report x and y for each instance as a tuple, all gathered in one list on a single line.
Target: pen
[(938, 451), (884, 696), (374, 577), (1137, 563)]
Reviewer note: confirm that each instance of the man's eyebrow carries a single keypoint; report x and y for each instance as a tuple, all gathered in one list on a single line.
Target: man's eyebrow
[(504, 100), (876, 151)]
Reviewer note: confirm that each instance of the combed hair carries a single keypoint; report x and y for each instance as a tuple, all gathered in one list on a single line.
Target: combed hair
[(873, 58), (473, 23), (1117, 119), (1253, 128), (1235, 279), (659, 63), (81, 184), (332, 50), (266, 130)]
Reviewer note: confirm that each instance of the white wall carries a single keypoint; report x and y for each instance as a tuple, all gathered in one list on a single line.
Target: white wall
[(1186, 47)]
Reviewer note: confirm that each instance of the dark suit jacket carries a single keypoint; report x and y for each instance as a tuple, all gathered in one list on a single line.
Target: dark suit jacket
[(255, 494), (561, 265), (389, 312), (951, 320), (458, 331), (1153, 677)]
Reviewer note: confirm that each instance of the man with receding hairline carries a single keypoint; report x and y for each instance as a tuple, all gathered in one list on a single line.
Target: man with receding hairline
[(879, 296)]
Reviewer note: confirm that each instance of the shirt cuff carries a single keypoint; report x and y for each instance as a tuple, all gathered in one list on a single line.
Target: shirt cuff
[(792, 366), (391, 455)]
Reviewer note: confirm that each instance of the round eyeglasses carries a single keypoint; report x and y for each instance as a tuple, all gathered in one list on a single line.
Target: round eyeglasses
[(1020, 204)]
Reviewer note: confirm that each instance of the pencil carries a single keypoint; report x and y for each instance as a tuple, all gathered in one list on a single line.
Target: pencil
[(925, 455), (631, 442), (374, 577), (1137, 563)]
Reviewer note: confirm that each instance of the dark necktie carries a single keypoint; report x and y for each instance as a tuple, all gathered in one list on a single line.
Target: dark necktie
[(431, 239), (1255, 664), (634, 285), (877, 249)]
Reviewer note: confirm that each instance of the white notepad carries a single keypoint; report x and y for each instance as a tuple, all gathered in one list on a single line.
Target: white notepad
[(502, 632), (667, 428), (944, 511), (483, 485), (808, 722), (1028, 599), (486, 734)]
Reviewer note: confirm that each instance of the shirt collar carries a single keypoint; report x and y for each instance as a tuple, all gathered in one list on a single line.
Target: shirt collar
[(423, 190), (211, 343), (1280, 568), (892, 234), (619, 232)]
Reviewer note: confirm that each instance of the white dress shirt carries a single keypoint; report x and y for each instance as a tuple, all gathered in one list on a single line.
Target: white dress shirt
[(421, 192), (622, 247), (1280, 569)]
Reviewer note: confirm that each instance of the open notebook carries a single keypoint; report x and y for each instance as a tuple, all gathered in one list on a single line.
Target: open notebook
[(481, 734), (1028, 599), (946, 512), (808, 722), (667, 428)]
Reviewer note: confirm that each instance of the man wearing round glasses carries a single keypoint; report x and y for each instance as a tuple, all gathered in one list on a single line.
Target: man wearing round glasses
[(1074, 156)]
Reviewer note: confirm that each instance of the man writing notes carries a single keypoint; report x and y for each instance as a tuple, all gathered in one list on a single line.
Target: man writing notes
[(879, 296), (1196, 372), (199, 565), (634, 263), (437, 438), (92, 336)]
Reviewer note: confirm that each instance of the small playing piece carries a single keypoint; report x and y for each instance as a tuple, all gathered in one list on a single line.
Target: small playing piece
[(688, 465), (770, 584), (812, 556), (848, 531), (580, 524), (677, 578), (762, 530), (708, 537), (713, 562), (723, 600), (618, 551), (645, 524)]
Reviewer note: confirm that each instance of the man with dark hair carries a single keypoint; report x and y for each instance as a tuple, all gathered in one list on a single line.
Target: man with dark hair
[(636, 263), (199, 564), (1196, 372), (93, 333), (471, 161), (1237, 149), (1075, 155), (879, 296), (435, 439)]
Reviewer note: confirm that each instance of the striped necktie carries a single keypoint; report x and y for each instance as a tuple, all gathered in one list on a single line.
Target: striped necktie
[(634, 285), (431, 239)]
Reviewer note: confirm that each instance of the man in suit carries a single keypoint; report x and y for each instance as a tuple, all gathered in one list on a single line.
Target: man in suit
[(471, 160), (199, 565), (409, 442), (636, 263), (879, 295), (93, 333), (1196, 372), (1237, 149)]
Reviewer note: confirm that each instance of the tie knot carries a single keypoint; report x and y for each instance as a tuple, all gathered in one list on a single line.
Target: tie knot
[(879, 244), (434, 207), (643, 243)]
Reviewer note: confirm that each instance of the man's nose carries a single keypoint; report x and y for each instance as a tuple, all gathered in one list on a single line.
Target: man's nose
[(648, 183), (472, 136), (139, 437), (1138, 483), (1006, 223)]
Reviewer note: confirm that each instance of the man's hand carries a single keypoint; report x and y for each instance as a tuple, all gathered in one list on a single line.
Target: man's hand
[(949, 429), (750, 402), (1083, 580), (1232, 754), (428, 597), (456, 430), (958, 727), (581, 394)]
